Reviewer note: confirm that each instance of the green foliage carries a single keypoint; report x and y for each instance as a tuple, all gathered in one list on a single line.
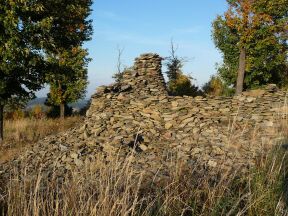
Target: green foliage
[(21, 64), (216, 87), (264, 37), (174, 67), (182, 85), (225, 40), (67, 60), (68, 26), (69, 84), (41, 41), (22, 67), (178, 83)]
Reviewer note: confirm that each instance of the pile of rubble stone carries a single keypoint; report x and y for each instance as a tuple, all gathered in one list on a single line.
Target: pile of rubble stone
[(137, 115)]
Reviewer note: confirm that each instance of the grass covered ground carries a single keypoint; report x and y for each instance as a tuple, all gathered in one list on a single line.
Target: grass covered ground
[(22, 133), (118, 191)]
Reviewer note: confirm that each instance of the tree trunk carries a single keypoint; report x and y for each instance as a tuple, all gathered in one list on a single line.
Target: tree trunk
[(62, 110), (241, 71), (1, 122)]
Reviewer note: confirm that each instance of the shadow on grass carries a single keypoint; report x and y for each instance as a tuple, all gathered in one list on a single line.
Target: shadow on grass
[(3, 204), (263, 191), (3, 209)]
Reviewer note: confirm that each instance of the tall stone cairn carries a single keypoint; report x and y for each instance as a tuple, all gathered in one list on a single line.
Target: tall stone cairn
[(149, 68), (145, 79)]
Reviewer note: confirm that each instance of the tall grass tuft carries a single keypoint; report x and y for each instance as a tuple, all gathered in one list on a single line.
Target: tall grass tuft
[(119, 190)]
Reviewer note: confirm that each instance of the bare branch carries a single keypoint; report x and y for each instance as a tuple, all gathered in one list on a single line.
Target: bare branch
[(119, 59)]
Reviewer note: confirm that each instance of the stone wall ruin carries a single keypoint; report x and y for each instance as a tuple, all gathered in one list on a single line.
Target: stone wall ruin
[(138, 115), (237, 127)]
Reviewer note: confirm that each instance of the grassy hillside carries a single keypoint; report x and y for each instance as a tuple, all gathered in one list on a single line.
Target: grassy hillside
[(261, 191), (21, 134)]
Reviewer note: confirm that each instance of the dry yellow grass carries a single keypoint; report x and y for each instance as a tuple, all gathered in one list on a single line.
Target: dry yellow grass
[(22, 133), (119, 191)]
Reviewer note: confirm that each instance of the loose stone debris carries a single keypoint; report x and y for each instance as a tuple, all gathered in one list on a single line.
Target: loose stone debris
[(136, 116)]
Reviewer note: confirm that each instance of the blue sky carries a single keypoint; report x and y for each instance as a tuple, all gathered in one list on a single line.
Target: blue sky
[(148, 26)]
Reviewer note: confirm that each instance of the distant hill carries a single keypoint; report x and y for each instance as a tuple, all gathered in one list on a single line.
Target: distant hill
[(36, 101), (79, 104), (40, 101)]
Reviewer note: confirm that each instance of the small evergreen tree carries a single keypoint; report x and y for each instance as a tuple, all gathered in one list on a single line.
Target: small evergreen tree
[(178, 84), (174, 65)]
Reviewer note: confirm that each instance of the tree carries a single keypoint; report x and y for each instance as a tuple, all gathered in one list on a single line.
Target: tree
[(242, 17), (21, 64), (179, 84), (225, 40), (259, 55), (174, 64), (66, 58), (70, 82), (273, 38)]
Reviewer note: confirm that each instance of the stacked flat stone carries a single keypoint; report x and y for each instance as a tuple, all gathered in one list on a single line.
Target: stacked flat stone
[(149, 67), (219, 133), (145, 79)]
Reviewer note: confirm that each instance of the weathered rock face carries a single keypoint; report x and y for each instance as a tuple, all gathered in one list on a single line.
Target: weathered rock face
[(219, 133)]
